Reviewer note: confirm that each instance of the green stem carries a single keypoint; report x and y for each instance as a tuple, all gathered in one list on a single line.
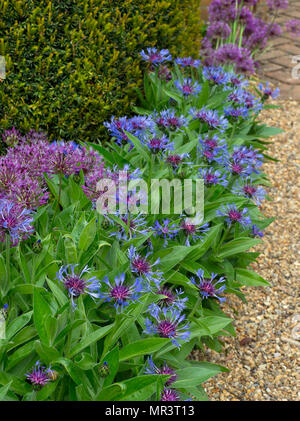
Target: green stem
[(195, 307)]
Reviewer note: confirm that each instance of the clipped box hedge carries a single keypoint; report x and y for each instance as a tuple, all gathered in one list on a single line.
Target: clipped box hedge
[(72, 64)]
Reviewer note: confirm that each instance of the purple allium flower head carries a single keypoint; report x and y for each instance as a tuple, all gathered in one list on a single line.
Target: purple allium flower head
[(28, 192), (143, 268), (293, 26), (210, 117), (218, 30), (76, 284), (188, 87), (169, 395), (65, 158), (188, 62), (151, 368), (234, 215), (35, 137), (120, 293), (256, 231), (167, 119), (208, 286), (216, 75), (15, 221), (250, 190), (168, 323), (153, 56), (38, 377), (268, 92), (11, 137), (166, 230), (212, 177), (193, 232)]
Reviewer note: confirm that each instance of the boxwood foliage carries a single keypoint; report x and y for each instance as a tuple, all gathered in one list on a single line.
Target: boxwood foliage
[(73, 63)]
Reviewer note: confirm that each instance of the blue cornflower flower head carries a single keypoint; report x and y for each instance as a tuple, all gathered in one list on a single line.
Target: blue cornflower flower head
[(151, 368), (169, 395), (15, 221), (216, 75), (188, 87), (136, 225), (238, 80), (166, 230), (168, 323), (212, 148), (175, 160), (76, 284), (250, 190), (167, 119), (121, 293), (233, 215), (142, 268), (212, 177), (38, 377), (210, 117), (193, 232), (208, 287), (157, 143), (153, 56), (141, 123), (268, 92), (238, 167), (237, 96), (236, 112), (248, 156), (188, 62), (256, 231), (171, 299), (117, 127), (251, 102)]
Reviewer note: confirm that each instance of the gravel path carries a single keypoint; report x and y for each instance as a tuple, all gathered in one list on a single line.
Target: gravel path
[(264, 357)]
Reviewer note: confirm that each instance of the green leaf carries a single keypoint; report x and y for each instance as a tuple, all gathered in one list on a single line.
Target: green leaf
[(237, 246), (4, 390), (137, 143), (41, 310), (142, 347), (249, 278), (199, 373), (87, 235), (90, 339), (17, 324)]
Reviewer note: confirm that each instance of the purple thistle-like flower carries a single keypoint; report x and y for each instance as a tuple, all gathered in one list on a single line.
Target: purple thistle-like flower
[(64, 158), (120, 293), (256, 231), (15, 221), (277, 4), (218, 30), (193, 232), (151, 368), (143, 268), (249, 190), (212, 177), (167, 119), (188, 62), (166, 230), (153, 56), (268, 92), (208, 286), (234, 215), (11, 137), (168, 323), (38, 377), (293, 26), (210, 117), (169, 395), (28, 192), (76, 284), (188, 87)]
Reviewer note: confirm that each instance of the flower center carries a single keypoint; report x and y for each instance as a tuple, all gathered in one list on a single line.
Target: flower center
[(208, 288), (141, 265), (234, 215), (249, 190), (166, 329), (120, 293), (75, 285)]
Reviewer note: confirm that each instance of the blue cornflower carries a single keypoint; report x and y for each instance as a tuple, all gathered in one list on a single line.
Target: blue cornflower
[(249, 190), (166, 229), (268, 92), (233, 215), (119, 293), (154, 56), (151, 368), (157, 143), (236, 112), (193, 232), (38, 377), (136, 226), (210, 117), (15, 221), (76, 284), (188, 62), (212, 148), (188, 87), (216, 75), (256, 231), (171, 299), (208, 287), (168, 323), (117, 127), (143, 268), (248, 156), (212, 177), (238, 167), (167, 119), (238, 80), (141, 123)]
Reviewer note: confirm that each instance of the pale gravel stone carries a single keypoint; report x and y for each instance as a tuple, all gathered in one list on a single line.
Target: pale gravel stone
[(267, 368)]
